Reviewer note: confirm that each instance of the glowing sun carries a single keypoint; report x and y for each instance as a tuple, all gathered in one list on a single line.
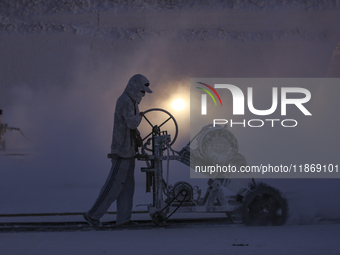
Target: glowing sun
[(178, 104)]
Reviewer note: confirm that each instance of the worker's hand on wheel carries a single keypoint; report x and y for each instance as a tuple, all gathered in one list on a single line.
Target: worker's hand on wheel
[(141, 114)]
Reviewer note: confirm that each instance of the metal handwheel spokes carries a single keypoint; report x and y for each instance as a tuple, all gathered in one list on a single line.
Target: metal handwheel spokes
[(156, 129)]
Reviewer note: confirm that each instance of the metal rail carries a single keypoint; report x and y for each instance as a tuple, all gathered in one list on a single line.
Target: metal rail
[(14, 227), (55, 214)]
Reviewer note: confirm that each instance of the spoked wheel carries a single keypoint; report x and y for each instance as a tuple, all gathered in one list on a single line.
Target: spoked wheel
[(264, 206), (158, 129)]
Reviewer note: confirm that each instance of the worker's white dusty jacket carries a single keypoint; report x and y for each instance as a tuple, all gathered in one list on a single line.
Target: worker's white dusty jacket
[(127, 117)]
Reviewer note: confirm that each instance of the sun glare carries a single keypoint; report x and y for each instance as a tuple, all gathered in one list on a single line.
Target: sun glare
[(178, 104)]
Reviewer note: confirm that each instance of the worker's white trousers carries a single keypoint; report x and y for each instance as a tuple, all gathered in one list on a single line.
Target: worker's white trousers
[(120, 186)]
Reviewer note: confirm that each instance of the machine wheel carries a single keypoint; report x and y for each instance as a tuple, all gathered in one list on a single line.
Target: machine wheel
[(264, 206), (156, 129), (158, 218), (217, 145)]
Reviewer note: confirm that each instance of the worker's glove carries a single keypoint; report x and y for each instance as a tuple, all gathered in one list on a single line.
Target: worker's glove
[(138, 139)]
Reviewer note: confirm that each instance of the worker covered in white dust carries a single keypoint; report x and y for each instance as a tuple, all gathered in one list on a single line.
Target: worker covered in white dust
[(120, 183)]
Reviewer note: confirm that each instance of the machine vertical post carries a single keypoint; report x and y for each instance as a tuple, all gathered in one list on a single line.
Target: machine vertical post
[(158, 174)]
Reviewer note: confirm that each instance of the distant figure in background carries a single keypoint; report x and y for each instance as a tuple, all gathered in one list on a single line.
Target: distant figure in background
[(120, 183), (334, 66), (3, 129)]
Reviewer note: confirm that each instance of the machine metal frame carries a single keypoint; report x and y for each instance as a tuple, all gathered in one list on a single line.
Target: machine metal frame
[(266, 207)]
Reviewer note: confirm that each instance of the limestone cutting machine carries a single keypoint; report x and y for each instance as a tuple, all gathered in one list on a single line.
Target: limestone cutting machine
[(253, 203)]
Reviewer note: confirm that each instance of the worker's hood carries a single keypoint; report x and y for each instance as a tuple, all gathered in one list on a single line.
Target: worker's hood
[(137, 86)]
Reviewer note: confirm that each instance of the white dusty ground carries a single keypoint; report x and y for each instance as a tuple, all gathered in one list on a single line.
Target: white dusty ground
[(62, 66), (295, 240)]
